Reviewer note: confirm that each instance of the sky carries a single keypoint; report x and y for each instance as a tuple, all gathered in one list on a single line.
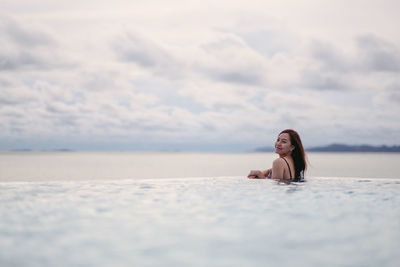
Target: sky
[(197, 75)]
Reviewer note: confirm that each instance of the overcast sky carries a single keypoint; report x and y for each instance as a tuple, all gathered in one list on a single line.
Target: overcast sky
[(191, 75)]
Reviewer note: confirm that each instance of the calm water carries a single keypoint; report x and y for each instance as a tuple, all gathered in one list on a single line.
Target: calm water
[(74, 166), (110, 209)]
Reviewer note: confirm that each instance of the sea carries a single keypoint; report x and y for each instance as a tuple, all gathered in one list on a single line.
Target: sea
[(197, 209)]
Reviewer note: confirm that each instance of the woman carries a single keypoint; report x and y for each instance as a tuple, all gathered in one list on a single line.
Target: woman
[(291, 163)]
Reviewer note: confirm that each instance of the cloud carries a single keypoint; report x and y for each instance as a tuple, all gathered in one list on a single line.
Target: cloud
[(266, 34), (315, 79), (377, 54), (369, 54), (137, 49), (229, 59), (222, 97), (132, 48), (23, 36), (28, 48), (224, 59), (328, 67), (236, 78), (15, 93), (326, 116), (388, 99), (330, 58)]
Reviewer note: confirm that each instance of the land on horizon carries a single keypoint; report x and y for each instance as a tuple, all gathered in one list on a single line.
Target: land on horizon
[(345, 148)]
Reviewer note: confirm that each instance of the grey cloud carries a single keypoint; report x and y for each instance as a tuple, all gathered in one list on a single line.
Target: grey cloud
[(378, 55), (330, 68), (147, 54), (391, 94), (61, 115), (5, 100), (329, 58), (13, 114), (99, 81), (267, 42), (66, 121), (54, 109), (22, 59), (208, 126), (140, 51), (373, 54), (317, 79), (23, 36), (236, 77), (394, 96), (326, 69), (4, 83), (17, 130), (148, 126), (231, 69), (24, 47), (25, 60), (16, 96)]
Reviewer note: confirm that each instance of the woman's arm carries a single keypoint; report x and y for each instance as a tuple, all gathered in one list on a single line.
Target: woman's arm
[(258, 174)]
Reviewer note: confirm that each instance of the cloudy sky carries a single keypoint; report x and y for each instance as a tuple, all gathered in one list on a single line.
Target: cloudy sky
[(197, 75)]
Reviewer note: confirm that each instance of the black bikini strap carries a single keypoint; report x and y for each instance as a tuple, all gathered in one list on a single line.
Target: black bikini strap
[(288, 168)]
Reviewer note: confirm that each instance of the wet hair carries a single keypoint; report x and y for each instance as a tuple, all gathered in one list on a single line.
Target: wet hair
[(298, 154)]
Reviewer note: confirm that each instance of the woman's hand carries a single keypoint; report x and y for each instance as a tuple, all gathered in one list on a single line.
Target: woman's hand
[(256, 174)]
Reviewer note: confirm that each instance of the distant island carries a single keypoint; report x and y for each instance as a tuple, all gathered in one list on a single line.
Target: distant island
[(344, 148), (354, 148), (41, 150)]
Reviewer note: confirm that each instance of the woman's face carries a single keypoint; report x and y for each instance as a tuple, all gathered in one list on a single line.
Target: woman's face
[(283, 146)]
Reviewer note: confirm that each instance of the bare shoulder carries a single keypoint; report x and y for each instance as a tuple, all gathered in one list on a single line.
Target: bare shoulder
[(278, 162)]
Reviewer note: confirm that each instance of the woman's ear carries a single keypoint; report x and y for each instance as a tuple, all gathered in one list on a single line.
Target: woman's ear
[(293, 147)]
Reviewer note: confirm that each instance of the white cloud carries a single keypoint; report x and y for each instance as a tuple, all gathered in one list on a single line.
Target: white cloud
[(180, 72)]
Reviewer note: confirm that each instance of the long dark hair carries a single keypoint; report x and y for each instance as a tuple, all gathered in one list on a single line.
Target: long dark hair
[(298, 154)]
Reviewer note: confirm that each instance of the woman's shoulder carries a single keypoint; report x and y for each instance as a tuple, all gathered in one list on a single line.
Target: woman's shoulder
[(278, 162), (281, 162)]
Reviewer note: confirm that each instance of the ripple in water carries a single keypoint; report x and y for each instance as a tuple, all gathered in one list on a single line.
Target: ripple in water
[(201, 222)]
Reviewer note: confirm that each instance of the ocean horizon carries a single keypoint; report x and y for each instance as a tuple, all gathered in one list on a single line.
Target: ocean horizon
[(333, 147)]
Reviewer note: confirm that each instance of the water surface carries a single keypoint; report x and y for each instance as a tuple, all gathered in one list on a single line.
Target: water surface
[(200, 222), (76, 166), (191, 209)]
